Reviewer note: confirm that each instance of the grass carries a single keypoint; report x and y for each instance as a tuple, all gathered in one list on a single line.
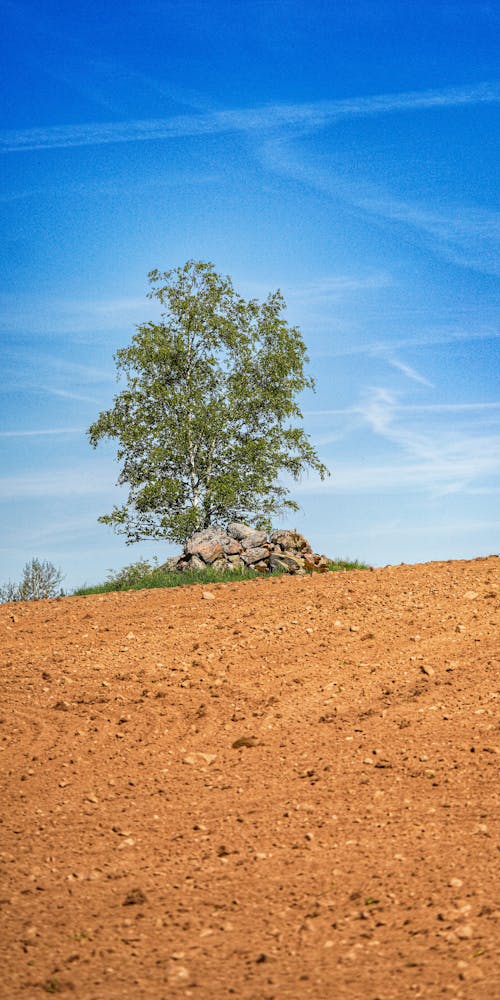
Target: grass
[(163, 578), (142, 576), (343, 565)]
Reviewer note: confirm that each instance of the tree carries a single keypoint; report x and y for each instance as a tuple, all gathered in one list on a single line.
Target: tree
[(205, 423), (40, 579)]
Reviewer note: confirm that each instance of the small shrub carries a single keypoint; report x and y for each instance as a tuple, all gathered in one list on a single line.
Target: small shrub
[(128, 577), (41, 579), (9, 592)]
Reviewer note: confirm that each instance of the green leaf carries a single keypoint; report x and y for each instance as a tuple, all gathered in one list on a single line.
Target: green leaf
[(207, 420)]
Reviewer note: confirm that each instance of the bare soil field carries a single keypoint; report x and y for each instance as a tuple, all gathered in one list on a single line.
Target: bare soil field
[(281, 788)]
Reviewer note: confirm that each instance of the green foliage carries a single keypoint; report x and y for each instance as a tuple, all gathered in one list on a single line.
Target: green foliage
[(41, 579), (207, 420), (130, 578)]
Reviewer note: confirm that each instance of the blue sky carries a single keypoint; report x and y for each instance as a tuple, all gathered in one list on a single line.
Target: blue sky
[(343, 152)]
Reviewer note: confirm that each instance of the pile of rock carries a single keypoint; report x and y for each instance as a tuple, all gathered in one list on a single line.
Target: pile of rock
[(241, 547)]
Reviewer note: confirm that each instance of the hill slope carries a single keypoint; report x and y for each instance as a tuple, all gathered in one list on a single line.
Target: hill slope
[(283, 790)]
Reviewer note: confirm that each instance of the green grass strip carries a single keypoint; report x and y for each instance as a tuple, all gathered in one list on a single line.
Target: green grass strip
[(160, 578)]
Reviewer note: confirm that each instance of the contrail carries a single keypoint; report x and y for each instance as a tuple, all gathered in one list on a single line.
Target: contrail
[(267, 118)]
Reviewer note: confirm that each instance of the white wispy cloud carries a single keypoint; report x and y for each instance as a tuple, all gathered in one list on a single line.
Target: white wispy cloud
[(26, 360), (391, 528), (434, 479), (436, 459), (79, 397), (272, 117), (465, 234), (61, 528), (75, 482), (414, 407), (72, 369), (450, 407), (434, 337), (56, 316), (42, 432), (118, 187), (410, 372), (336, 286), (450, 449)]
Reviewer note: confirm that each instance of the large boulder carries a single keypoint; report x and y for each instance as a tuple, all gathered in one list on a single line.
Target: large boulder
[(322, 563), (253, 539), (206, 544), (233, 562), (230, 546), (276, 562), (209, 551), (254, 554), (239, 530)]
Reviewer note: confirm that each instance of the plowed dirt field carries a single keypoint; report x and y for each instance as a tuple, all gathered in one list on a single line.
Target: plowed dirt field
[(282, 788)]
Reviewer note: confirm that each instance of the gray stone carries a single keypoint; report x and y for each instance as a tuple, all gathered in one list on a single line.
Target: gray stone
[(254, 555), (239, 530), (209, 551), (253, 539), (208, 535), (310, 561), (322, 563), (194, 563), (230, 546), (277, 562)]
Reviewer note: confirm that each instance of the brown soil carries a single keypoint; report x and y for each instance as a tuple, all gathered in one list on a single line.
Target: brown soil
[(283, 791)]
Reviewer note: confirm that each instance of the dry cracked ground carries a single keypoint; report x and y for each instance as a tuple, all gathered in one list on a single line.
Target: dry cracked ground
[(282, 788)]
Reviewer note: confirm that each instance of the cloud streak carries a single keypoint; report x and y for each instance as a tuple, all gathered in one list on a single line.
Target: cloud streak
[(58, 483), (434, 460), (337, 286), (437, 337), (467, 235), (71, 316), (410, 372), (414, 407), (434, 479), (48, 432), (451, 459), (79, 397), (269, 118)]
